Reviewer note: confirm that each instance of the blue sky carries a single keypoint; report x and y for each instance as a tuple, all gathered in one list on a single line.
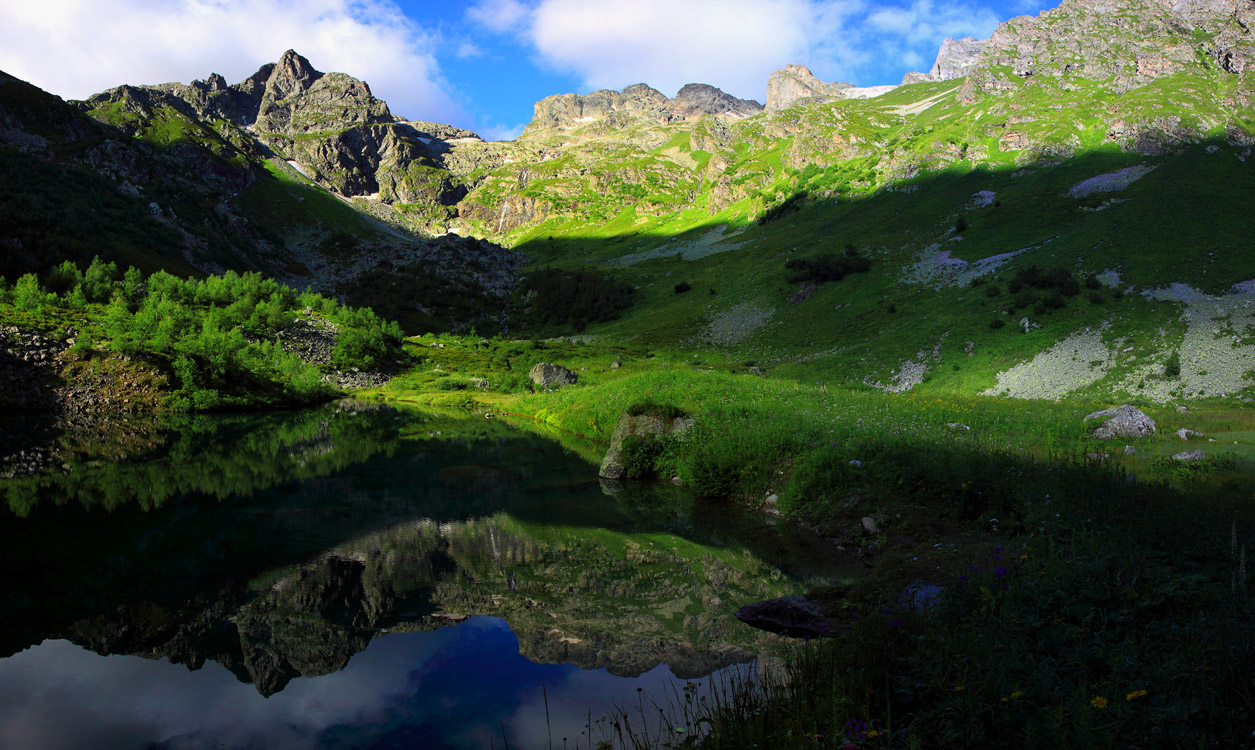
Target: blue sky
[(482, 64)]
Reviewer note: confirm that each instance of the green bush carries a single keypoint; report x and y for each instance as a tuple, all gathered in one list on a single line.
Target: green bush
[(653, 409), (682, 287), (29, 296), (551, 296), (827, 267), (1172, 367), (641, 455)]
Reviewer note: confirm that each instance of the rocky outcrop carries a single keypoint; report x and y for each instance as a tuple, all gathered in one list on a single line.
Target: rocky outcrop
[(648, 426), (957, 58), (615, 109), (551, 377), (794, 82), (1132, 43), (791, 616), (1121, 421), (299, 99)]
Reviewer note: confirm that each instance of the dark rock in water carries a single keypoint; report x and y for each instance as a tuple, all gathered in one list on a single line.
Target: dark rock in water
[(920, 596), (1122, 421), (791, 616), (547, 375)]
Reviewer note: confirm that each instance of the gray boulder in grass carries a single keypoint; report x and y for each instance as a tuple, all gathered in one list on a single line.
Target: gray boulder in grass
[(644, 426), (552, 376), (1122, 421)]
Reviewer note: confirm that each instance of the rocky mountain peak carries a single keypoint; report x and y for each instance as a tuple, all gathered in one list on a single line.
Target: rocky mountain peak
[(957, 58), (292, 74), (616, 108), (794, 82)]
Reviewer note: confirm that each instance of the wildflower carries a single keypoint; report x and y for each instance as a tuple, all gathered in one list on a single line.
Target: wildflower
[(1006, 699), (958, 688), (1136, 694), (1018, 694), (1099, 702)]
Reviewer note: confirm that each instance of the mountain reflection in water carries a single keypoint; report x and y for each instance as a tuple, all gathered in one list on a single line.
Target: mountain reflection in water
[(341, 561)]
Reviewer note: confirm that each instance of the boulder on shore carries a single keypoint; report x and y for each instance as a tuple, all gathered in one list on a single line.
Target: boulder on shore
[(1122, 421), (791, 616), (551, 376), (644, 425)]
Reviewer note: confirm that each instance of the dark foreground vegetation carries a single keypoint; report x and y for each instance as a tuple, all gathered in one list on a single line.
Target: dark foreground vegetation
[(215, 339), (1087, 598)]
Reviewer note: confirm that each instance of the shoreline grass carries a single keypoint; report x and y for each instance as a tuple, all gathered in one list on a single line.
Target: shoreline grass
[(1075, 612)]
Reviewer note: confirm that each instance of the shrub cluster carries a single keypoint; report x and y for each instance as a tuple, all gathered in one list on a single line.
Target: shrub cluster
[(653, 409), (556, 297), (784, 208), (828, 267), (215, 336)]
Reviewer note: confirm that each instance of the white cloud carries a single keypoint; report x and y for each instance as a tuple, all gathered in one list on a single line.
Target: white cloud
[(492, 131), (733, 44), (498, 15), (467, 50), (74, 48)]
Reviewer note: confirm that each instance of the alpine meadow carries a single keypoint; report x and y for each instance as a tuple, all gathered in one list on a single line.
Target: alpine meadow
[(871, 417)]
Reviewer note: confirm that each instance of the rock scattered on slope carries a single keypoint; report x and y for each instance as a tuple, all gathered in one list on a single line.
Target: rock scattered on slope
[(551, 377), (1193, 456), (1122, 421)]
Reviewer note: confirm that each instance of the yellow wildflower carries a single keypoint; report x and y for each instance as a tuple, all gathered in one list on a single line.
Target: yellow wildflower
[(1136, 694), (1099, 702), (958, 688), (1018, 694)]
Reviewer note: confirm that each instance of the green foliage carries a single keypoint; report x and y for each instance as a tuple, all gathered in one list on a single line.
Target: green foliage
[(960, 226), (63, 278), (642, 454), (1172, 367), (827, 267), (785, 207), (683, 287), (654, 409), (556, 297), (98, 280), (364, 339), (214, 336), (29, 295)]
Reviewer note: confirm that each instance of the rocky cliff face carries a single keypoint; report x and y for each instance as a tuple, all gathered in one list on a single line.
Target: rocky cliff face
[(1133, 42), (794, 82), (957, 58), (615, 109)]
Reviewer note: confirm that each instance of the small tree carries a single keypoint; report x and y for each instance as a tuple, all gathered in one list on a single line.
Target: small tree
[(63, 278), (28, 295), (960, 226), (1172, 367)]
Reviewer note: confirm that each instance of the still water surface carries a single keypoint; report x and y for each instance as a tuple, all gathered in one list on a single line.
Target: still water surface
[(358, 576)]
